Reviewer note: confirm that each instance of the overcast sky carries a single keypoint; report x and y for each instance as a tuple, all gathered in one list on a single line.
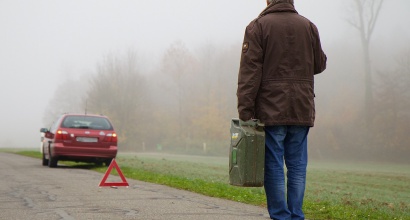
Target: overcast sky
[(45, 41)]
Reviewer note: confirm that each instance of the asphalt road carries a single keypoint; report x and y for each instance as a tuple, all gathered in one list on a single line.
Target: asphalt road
[(29, 190)]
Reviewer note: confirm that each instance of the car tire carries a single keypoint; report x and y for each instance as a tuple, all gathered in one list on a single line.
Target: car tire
[(45, 161), (52, 161), (108, 162)]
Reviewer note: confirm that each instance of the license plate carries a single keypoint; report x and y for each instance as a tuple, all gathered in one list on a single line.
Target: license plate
[(87, 139)]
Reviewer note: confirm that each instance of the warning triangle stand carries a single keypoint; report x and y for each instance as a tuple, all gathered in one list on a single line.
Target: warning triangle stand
[(107, 173)]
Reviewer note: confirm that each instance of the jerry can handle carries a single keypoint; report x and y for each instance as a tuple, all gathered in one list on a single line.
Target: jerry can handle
[(251, 123)]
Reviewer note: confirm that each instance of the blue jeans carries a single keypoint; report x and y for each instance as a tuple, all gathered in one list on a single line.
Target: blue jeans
[(289, 144)]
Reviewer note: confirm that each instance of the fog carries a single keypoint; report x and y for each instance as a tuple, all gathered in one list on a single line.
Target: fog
[(46, 43)]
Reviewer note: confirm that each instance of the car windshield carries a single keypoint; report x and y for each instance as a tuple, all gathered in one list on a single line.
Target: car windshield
[(86, 122)]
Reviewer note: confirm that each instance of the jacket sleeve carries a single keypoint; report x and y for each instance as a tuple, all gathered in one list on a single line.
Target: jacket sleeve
[(250, 72), (319, 55)]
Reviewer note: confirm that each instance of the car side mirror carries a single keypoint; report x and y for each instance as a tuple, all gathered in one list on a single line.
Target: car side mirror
[(49, 135), (43, 130)]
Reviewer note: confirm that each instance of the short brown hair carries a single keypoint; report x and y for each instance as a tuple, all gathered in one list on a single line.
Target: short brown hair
[(280, 1)]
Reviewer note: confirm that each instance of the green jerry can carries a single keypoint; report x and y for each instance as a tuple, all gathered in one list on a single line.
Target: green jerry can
[(247, 153)]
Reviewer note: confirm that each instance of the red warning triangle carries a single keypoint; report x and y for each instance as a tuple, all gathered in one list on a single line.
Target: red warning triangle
[(107, 173)]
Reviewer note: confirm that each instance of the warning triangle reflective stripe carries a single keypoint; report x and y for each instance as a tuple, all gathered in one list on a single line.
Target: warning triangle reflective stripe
[(107, 173)]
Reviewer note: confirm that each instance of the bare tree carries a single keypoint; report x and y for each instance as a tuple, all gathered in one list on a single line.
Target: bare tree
[(179, 65), (392, 105), (119, 91), (68, 98), (365, 19), (197, 99)]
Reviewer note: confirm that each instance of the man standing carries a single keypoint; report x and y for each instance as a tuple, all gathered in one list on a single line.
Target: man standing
[(281, 53)]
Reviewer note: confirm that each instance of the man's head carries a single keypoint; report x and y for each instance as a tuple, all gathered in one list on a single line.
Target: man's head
[(279, 1)]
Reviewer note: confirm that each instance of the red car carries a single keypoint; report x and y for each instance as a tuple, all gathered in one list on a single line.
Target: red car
[(79, 138)]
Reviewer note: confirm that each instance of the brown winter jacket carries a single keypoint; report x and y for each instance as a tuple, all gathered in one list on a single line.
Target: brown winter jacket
[(281, 53)]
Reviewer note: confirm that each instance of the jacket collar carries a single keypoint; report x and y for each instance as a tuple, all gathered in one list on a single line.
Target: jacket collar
[(279, 7)]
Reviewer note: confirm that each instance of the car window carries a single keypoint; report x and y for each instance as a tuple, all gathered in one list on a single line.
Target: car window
[(55, 124), (86, 122)]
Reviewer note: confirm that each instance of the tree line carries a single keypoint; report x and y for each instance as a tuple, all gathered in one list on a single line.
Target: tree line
[(186, 103)]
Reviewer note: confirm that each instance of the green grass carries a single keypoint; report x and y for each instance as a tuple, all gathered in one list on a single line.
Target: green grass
[(333, 190)]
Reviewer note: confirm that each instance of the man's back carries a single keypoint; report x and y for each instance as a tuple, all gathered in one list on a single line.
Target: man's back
[(287, 43), (281, 54)]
